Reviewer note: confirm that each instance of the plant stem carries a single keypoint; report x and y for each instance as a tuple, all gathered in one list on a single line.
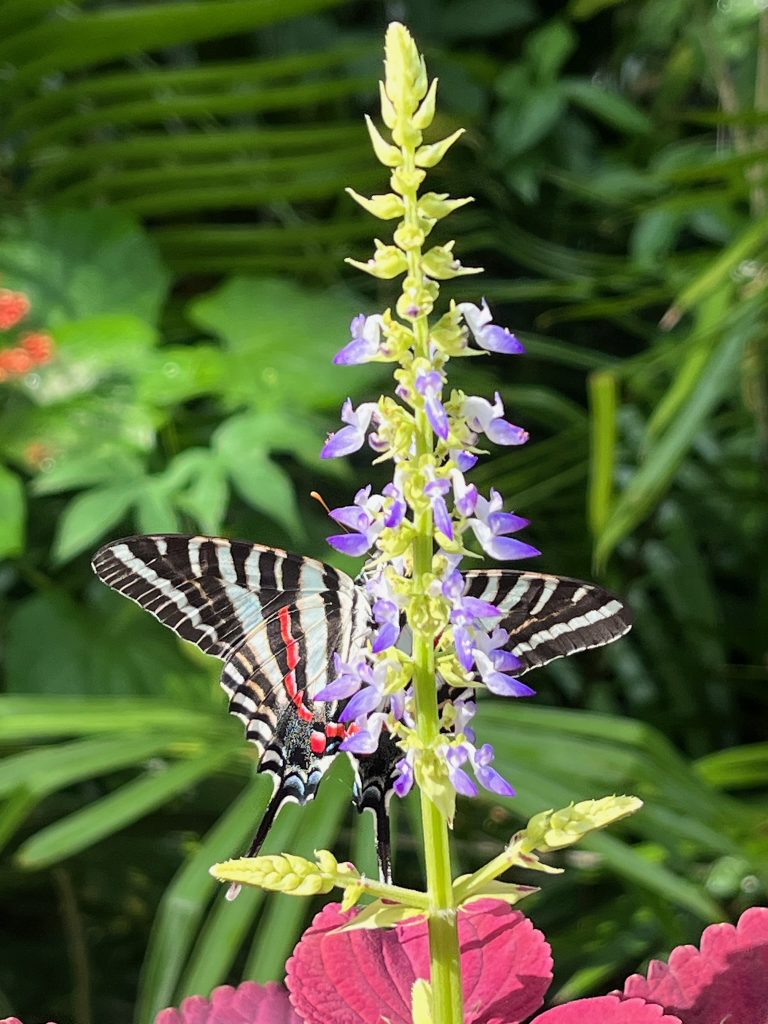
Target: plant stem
[(445, 963)]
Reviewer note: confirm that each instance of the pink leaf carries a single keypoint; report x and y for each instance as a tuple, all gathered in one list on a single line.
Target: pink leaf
[(726, 980), (606, 1010), (249, 1003), (361, 976)]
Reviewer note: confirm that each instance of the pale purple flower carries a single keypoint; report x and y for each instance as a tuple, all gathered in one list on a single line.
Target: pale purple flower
[(350, 438), (398, 508), (484, 418), (366, 338), (493, 645), (435, 490), (488, 777), (430, 386), (490, 525), (455, 757), (464, 495), (366, 739), (497, 682), (404, 781), (363, 519), (387, 616), (349, 678), (464, 460), (488, 335), (467, 613)]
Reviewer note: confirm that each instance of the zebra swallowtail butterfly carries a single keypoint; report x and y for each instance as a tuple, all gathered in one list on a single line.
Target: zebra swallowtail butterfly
[(276, 620)]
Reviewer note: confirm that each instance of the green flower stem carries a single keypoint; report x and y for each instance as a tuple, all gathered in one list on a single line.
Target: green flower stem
[(387, 891), (445, 960)]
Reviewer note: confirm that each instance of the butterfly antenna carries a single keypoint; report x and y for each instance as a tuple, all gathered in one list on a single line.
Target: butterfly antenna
[(324, 503)]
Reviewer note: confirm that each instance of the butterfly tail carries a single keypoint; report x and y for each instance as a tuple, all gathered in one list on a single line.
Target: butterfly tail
[(375, 775), (279, 798)]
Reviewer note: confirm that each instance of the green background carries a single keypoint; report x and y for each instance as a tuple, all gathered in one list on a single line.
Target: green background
[(172, 179)]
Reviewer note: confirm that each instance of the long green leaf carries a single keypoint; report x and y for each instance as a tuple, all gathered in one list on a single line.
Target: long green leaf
[(655, 475), (129, 803), (603, 410), (184, 902), (96, 38)]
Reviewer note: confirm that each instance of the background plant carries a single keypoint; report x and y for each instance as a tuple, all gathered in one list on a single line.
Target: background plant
[(173, 208)]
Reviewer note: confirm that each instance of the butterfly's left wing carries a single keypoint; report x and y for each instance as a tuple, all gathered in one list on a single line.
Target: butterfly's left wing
[(275, 619), (549, 617)]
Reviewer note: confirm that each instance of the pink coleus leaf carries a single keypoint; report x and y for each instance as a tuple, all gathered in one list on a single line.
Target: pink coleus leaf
[(726, 980), (606, 1010), (15, 1020), (249, 1003), (362, 977)]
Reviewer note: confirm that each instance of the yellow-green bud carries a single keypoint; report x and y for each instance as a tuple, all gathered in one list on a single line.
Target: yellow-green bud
[(404, 182), (388, 114), (405, 74), (439, 262), (285, 873), (554, 830), (429, 156), (387, 262), (426, 112), (385, 207), (387, 154), (436, 205)]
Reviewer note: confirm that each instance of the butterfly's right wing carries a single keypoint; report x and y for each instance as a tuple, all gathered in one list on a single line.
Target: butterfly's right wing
[(549, 617)]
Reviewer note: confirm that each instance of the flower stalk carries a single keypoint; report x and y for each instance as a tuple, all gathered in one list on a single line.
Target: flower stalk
[(435, 634)]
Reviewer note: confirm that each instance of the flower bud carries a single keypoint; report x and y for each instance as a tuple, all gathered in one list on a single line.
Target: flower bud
[(429, 156), (554, 830)]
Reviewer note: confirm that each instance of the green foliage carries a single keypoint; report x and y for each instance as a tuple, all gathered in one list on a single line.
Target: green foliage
[(174, 174)]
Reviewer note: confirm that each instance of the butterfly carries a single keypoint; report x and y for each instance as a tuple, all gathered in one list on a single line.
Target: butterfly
[(277, 621)]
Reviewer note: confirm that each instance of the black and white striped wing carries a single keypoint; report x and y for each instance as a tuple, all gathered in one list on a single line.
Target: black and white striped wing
[(275, 619), (550, 617)]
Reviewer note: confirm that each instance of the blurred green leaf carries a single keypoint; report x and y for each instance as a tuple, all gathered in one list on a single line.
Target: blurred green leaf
[(612, 108), (91, 516), (242, 448), (120, 808), (76, 264), (548, 49), (13, 509), (78, 656), (282, 339)]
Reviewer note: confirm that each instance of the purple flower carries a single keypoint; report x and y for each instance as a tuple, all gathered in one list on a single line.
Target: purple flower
[(349, 678), (499, 682), (436, 490), (455, 758), (404, 782), (464, 460), (490, 525), (397, 509), (466, 614), (430, 386), (488, 335), (464, 495), (387, 615), (364, 521), (366, 739), (350, 438), (488, 777), (484, 418), (366, 337)]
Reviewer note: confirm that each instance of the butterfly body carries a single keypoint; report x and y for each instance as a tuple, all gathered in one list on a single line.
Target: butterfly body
[(277, 620)]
